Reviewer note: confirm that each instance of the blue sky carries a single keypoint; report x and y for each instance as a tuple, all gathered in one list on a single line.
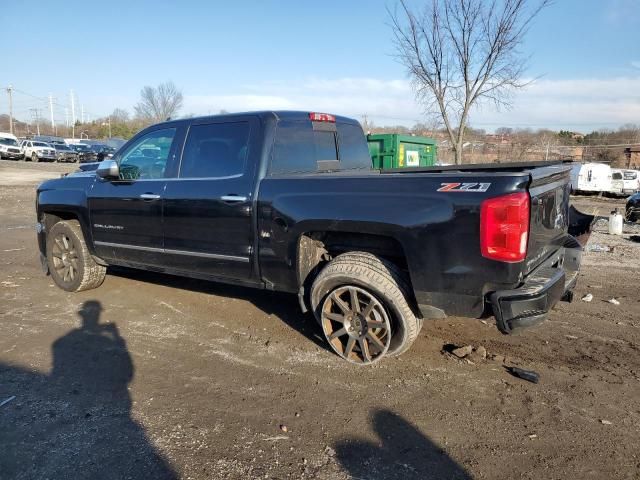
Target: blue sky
[(331, 55)]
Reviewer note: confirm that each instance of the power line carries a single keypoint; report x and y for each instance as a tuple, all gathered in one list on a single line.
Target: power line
[(35, 112), (45, 101)]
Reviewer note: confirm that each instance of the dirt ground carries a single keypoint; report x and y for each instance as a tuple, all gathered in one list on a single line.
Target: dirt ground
[(152, 376)]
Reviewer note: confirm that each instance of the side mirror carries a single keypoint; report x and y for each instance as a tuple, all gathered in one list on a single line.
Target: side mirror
[(108, 169)]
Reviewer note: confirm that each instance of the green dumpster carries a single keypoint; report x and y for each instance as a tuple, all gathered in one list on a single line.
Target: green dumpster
[(390, 150)]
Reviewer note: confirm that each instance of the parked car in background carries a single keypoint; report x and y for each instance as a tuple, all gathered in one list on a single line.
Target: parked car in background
[(64, 153), (102, 151), (84, 152), (9, 147), (633, 208), (624, 182), (36, 151)]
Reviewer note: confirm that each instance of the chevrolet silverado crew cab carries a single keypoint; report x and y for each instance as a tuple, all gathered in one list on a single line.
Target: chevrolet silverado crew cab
[(288, 201)]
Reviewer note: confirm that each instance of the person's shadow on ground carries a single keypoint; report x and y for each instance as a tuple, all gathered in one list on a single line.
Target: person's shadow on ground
[(76, 422), (403, 452)]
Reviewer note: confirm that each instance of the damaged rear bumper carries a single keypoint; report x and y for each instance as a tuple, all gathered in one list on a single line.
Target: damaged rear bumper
[(531, 302)]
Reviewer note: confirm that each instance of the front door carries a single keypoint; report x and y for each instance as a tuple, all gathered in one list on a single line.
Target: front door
[(126, 214), (208, 208)]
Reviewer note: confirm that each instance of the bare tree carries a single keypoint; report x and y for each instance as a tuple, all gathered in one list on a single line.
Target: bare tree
[(119, 115), (461, 52), (159, 103)]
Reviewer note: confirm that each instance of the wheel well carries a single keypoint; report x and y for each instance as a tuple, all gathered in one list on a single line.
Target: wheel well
[(317, 248), (49, 219)]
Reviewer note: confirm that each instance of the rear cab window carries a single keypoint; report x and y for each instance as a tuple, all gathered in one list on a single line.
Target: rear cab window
[(303, 146)]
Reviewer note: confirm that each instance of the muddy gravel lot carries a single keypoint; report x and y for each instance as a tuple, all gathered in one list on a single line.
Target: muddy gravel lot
[(153, 376)]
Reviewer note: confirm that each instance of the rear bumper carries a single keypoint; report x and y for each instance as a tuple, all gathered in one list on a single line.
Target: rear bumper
[(530, 303)]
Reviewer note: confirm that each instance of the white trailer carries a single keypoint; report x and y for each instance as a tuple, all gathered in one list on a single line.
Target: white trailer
[(591, 177)]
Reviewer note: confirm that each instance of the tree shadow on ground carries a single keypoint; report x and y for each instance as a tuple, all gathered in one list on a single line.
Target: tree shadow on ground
[(402, 452), (285, 306), (76, 422)]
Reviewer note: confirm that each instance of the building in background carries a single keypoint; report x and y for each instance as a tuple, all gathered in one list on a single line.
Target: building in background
[(633, 157)]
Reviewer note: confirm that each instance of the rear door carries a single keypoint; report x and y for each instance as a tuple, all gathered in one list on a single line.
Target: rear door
[(126, 214), (617, 183), (208, 209)]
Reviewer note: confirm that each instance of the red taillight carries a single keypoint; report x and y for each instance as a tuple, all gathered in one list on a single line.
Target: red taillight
[(504, 227), (322, 117)]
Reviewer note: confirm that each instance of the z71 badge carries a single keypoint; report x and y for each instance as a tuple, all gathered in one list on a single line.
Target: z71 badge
[(464, 187)]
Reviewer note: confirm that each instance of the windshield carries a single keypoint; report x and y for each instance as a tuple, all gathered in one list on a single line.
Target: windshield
[(8, 141), (81, 146), (41, 144), (61, 147)]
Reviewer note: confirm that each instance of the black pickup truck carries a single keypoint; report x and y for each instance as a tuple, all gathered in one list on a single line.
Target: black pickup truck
[(288, 201)]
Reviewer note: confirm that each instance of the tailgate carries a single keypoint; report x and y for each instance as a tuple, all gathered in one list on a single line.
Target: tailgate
[(549, 189)]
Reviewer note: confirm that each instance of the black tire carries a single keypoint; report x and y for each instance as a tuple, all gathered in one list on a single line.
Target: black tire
[(384, 282), (34, 157), (70, 263)]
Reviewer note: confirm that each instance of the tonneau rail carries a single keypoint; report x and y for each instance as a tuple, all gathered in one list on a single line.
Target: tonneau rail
[(514, 166)]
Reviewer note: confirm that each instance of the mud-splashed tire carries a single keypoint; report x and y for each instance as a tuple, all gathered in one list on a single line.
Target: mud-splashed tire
[(379, 279), (71, 266)]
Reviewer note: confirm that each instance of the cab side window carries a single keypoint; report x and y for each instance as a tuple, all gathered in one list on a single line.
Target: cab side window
[(147, 157), (215, 150)]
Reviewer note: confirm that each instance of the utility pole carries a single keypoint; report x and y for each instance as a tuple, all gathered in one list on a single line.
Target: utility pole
[(10, 92), (109, 117), (82, 113), (35, 112), (73, 116), (53, 125)]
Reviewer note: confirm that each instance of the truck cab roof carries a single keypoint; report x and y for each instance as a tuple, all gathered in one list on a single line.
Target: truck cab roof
[(293, 115)]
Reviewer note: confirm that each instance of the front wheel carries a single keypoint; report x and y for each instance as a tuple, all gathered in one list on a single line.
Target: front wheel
[(70, 263), (362, 304), (34, 157)]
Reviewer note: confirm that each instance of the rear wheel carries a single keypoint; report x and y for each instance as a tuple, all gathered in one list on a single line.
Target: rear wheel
[(361, 302), (70, 263)]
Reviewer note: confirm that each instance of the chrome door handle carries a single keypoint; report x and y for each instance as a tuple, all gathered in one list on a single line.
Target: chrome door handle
[(233, 198), (149, 196)]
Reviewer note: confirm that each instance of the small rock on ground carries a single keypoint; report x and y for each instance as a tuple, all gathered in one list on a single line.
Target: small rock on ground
[(462, 352)]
